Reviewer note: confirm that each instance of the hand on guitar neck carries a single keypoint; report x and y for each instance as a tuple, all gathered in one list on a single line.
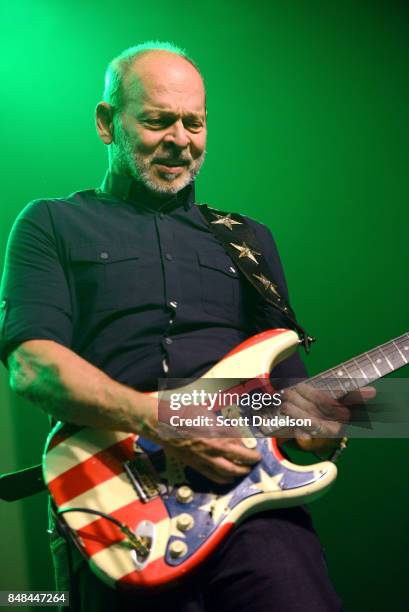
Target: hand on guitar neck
[(221, 459), (328, 415)]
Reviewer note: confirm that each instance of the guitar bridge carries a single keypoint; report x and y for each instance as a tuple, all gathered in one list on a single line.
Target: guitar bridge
[(143, 477)]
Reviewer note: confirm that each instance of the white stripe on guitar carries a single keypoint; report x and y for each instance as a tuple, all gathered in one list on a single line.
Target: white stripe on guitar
[(78, 448), (105, 497), (255, 360)]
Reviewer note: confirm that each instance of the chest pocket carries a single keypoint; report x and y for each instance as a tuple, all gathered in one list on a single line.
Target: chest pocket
[(220, 283), (107, 277)]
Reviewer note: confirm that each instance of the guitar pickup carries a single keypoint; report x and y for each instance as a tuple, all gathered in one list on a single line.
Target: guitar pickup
[(144, 478)]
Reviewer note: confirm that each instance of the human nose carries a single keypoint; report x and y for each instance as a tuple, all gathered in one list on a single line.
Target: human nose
[(176, 134)]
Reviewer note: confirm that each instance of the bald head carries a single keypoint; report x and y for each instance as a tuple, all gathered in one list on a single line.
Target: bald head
[(160, 73), (155, 120), (119, 68)]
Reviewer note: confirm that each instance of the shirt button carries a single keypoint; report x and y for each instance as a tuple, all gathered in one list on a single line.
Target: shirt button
[(168, 256), (168, 340), (104, 255), (171, 321), (174, 304)]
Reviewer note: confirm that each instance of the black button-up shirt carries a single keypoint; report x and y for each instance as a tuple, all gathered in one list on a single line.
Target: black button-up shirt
[(138, 286)]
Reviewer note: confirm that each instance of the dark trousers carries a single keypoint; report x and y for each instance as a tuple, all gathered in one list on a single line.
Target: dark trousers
[(271, 562)]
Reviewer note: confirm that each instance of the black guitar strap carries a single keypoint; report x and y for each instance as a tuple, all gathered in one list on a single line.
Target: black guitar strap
[(240, 243)]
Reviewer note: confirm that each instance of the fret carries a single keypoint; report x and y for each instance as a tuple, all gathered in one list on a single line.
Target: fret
[(344, 378), (379, 362), (364, 376), (321, 385), (400, 353), (347, 384), (403, 345), (367, 366), (393, 355), (333, 384), (321, 382), (358, 378), (353, 370), (386, 357)]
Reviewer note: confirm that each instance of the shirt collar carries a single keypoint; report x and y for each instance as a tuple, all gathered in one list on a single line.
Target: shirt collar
[(129, 190)]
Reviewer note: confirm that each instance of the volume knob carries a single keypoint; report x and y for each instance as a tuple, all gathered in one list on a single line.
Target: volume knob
[(184, 494), (177, 548), (184, 522)]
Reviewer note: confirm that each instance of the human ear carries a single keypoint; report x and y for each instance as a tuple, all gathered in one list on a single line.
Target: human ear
[(104, 114)]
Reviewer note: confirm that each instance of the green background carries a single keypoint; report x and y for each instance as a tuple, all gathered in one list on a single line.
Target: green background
[(308, 132)]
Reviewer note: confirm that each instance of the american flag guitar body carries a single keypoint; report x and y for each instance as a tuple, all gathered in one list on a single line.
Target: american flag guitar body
[(165, 519)]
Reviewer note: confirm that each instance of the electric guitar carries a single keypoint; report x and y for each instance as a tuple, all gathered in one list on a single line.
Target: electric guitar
[(143, 520)]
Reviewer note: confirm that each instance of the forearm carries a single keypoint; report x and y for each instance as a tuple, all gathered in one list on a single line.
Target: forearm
[(73, 390)]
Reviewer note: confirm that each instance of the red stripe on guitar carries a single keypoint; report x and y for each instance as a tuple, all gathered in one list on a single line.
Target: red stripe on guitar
[(93, 471), (102, 533), (276, 449), (261, 337), (158, 572)]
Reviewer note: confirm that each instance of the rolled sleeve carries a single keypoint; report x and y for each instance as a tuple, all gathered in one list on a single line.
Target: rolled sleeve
[(34, 295)]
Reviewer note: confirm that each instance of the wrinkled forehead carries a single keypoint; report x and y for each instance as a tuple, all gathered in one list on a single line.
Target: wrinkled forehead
[(163, 79)]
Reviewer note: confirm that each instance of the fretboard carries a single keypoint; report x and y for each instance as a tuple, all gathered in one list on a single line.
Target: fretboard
[(365, 368)]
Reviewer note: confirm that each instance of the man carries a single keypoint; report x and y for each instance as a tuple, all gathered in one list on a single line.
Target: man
[(108, 290)]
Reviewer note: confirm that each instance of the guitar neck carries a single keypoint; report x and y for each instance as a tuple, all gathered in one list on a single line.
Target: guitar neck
[(364, 369)]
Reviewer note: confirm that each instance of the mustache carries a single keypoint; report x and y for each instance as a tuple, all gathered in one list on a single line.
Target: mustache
[(183, 161)]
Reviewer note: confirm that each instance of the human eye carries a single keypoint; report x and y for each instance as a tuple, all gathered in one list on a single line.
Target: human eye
[(193, 124), (154, 123)]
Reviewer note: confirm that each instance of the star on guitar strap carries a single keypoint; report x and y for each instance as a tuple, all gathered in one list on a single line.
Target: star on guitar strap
[(240, 243)]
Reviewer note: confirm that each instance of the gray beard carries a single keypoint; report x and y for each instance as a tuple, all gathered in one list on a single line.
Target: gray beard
[(138, 166)]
